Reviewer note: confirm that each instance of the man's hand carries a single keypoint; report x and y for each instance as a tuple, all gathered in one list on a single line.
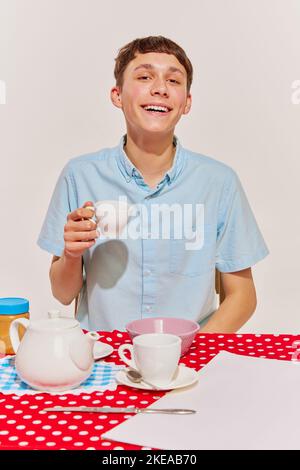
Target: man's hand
[(79, 232)]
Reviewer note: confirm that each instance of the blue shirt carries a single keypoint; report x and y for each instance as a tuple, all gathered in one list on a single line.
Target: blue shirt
[(127, 279)]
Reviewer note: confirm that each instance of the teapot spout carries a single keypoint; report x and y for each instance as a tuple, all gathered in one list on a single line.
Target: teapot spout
[(92, 336)]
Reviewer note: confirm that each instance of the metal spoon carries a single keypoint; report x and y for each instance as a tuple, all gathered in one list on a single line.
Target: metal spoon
[(136, 377)]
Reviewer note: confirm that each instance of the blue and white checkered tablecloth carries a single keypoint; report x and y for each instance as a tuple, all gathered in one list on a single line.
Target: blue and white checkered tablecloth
[(102, 378)]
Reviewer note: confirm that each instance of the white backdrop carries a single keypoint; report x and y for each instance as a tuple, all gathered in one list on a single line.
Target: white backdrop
[(57, 60)]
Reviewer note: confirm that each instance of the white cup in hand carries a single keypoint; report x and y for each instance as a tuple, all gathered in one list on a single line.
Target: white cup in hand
[(154, 355), (111, 216)]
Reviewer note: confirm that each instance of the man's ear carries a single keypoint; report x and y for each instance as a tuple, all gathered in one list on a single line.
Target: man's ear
[(115, 96), (188, 104)]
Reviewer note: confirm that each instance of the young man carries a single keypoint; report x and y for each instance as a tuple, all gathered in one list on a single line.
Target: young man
[(123, 279)]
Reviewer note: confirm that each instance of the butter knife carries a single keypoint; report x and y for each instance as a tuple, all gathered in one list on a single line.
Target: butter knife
[(99, 409)]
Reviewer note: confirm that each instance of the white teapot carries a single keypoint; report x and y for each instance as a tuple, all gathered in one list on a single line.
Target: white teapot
[(54, 354)]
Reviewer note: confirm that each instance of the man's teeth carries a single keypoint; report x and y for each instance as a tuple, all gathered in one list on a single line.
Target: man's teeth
[(156, 108)]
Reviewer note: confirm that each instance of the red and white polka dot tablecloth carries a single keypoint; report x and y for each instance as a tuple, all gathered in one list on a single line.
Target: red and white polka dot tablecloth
[(24, 426)]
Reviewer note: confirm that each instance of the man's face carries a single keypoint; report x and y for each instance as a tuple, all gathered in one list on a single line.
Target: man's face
[(149, 79)]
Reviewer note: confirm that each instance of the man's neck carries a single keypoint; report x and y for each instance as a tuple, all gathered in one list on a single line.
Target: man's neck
[(152, 158)]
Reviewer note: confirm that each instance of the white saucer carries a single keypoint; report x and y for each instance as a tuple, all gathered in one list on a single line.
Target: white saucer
[(102, 350), (184, 376)]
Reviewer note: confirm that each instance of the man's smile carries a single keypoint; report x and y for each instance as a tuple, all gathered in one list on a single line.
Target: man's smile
[(156, 109)]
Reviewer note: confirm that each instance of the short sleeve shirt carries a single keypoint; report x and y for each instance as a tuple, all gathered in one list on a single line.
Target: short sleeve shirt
[(195, 220)]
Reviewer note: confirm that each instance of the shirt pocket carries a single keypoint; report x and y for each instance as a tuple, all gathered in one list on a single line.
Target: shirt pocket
[(193, 262)]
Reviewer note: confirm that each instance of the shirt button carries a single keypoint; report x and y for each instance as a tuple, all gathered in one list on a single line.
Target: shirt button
[(147, 272), (148, 308)]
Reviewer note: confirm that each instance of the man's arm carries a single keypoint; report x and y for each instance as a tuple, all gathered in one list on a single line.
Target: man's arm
[(66, 278), (238, 306), (66, 271)]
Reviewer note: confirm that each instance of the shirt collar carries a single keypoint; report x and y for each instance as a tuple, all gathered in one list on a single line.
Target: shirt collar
[(128, 169)]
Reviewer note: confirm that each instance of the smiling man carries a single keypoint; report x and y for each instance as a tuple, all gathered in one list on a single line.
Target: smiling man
[(150, 275), (151, 115)]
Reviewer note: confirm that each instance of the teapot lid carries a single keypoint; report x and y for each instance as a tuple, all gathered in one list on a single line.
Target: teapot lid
[(54, 322)]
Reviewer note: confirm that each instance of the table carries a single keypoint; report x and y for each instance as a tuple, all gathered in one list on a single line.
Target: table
[(23, 426)]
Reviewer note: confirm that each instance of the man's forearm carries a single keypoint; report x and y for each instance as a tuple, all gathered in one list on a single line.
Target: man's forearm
[(66, 278), (232, 314)]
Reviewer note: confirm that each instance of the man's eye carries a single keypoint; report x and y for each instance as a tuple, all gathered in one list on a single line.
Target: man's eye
[(171, 79)]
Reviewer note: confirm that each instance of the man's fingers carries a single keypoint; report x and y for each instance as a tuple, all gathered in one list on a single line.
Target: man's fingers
[(82, 213), (85, 212), (88, 212), (75, 215), (88, 203), (79, 231), (77, 236), (80, 226), (88, 206), (78, 246)]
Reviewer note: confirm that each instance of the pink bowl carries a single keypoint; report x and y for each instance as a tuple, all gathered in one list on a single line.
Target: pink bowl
[(185, 329)]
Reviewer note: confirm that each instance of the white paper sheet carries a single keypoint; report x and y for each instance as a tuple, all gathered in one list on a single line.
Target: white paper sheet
[(242, 403)]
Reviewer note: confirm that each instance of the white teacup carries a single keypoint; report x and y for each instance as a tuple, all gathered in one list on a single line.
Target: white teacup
[(111, 217), (154, 355)]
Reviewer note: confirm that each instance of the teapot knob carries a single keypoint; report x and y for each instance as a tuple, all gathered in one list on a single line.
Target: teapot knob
[(53, 313)]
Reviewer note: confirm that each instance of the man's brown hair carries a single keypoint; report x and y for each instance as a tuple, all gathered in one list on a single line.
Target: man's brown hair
[(150, 44)]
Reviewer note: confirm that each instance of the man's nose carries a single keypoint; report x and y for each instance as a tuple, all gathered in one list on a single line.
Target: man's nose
[(159, 86)]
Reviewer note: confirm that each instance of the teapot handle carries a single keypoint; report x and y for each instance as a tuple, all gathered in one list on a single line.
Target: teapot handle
[(14, 332)]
